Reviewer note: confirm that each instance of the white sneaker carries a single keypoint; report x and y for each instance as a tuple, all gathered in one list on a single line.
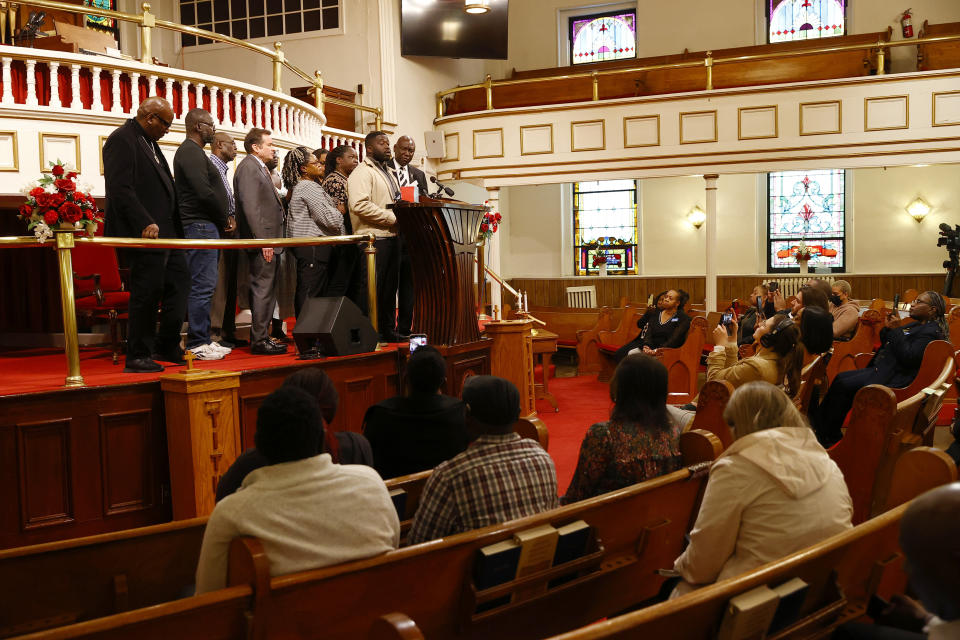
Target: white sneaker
[(219, 347), (207, 352)]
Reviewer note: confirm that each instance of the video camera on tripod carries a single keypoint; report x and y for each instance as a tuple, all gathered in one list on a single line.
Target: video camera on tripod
[(950, 238)]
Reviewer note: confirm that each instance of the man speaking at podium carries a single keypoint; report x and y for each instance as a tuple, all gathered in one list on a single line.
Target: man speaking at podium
[(406, 175), (371, 187)]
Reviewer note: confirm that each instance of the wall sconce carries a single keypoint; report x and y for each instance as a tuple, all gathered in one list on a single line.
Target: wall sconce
[(476, 6), (918, 209), (696, 217)]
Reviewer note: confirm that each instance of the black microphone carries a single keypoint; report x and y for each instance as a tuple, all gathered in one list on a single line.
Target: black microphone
[(440, 187)]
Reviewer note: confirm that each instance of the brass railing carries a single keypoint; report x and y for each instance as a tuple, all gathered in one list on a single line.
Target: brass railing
[(708, 63), (65, 241), (147, 21)]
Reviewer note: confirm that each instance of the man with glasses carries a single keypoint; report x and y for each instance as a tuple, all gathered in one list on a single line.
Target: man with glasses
[(142, 203), (204, 210)]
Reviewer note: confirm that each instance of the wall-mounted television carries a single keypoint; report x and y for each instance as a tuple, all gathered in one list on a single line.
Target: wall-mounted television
[(442, 28)]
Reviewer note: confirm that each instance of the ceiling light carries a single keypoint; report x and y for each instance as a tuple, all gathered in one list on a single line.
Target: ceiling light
[(476, 6)]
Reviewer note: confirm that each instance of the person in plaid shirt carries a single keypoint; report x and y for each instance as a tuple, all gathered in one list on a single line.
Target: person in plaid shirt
[(499, 477)]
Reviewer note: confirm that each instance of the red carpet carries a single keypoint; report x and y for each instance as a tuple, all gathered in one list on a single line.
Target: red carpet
[(583, 401), (45, 369)]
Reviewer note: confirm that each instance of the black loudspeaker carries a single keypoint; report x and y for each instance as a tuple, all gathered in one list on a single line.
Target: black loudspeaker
[(333, 327)]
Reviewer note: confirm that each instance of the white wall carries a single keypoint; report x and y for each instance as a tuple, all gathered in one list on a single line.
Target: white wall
[(882, 238)]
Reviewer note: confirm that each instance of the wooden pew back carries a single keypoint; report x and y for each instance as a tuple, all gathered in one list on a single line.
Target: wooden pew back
[(683, 363), (567, 322), (812, 377), (938, 55), (588, 353), (937, 364), (713, 399), (862, 342)]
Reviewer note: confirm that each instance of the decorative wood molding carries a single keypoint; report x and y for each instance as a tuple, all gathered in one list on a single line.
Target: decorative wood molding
[(837, 104), (484, 133), (879, 103), (627, 120), (757, 111), (14, 165), (44, 161), (586, 125), (533, 129), (698, 116)]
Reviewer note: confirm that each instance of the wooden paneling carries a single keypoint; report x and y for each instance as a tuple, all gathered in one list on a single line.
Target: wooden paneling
[(129, 482), (45, 481), (338, 117), (551, 292)]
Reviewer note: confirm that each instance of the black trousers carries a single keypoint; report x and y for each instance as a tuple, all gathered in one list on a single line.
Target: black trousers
[(388, 270), (157, 279), (228, 326), (828, 419), (405, 296), (312, 274), (346, 275)]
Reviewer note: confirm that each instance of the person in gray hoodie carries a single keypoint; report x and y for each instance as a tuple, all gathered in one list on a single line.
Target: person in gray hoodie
[(774, 491)]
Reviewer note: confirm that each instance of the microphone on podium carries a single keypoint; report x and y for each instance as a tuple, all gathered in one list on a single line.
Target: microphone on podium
[(441, 188)]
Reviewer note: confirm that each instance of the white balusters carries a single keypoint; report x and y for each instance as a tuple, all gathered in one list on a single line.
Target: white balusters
[(227, 120), (152, 87), (31, 83), (7, 97), (257, 113), (268, 119), (184, 98), (116, 107), (276, 115), (168, 94), (248, 121), (214, 90), (97, 105), (134, 92), (75, 87), (200, 87), (54, 84)]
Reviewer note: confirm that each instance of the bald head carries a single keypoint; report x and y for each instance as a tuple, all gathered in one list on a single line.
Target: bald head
[(224, 146), (930, 538), (155, 116), (404, 149)]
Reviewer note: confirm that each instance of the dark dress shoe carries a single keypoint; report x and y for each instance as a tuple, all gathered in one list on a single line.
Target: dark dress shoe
[(267, 348), (142, 365), (172, 358)]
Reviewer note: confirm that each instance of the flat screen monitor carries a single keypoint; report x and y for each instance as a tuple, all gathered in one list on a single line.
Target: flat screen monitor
[(442, 28)]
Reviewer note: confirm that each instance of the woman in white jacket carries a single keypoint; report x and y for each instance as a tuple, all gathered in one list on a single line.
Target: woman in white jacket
[(774, 491)]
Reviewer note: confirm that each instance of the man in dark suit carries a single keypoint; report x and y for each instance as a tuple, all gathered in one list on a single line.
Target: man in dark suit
[(406, 174), (202, 198), (260, 215), (142, 203)]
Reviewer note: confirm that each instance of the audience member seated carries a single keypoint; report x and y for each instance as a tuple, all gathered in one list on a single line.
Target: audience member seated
[(663, 325), (748, 321), (816, 330), (419, 431), (809, 296), (307, 511), (895, 364), (640, 441), (344, 447), (930, 539), (774, 491), (846, 312), (777, 357), (500, 476)]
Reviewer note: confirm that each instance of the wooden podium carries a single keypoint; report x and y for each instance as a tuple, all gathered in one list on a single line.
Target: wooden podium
[(441, 238)]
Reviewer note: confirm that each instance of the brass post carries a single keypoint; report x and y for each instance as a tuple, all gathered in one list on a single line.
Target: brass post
[(65, 242), (371, 252), (439, 105), (709, 64), (596, 86), (881, 59), (379, 120), (488, 83), (148, 21), (3, 23), (278, 66), (12, 19), (318, 90)]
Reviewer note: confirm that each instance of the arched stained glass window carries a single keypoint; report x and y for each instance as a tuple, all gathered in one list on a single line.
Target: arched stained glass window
[(605, 226), (806, 19), (807, 206), (599, 37)]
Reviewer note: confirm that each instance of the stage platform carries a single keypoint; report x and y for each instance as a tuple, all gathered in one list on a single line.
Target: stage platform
[(93, 459)]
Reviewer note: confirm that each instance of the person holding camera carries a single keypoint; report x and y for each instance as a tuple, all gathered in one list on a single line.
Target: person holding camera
[(777, 357), (664, 325)]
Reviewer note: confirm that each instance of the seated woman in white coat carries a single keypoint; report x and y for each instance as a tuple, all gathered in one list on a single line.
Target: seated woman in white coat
[(774, 491)]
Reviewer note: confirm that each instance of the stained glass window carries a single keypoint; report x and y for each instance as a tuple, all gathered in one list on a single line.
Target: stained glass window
[(605, 36), (605, 225), (805, 19), (100, 23), (807, 206)]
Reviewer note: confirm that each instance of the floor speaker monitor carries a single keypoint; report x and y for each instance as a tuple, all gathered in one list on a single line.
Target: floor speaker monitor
[(333, 327)]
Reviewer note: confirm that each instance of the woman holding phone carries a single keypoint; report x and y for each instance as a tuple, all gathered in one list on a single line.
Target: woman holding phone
[(664, 325)]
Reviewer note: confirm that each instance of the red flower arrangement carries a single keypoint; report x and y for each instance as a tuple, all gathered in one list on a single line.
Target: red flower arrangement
[(55, 202), (490, 224), (599, 258)]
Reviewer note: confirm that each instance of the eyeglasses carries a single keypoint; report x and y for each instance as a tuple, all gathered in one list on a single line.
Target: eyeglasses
[(166, 125)]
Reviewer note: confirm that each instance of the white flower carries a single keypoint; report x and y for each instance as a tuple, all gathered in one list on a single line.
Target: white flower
[(42, 232), (51, 189), (30, 186)]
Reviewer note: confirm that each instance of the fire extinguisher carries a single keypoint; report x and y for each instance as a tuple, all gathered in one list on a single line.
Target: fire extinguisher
[(906, 21)]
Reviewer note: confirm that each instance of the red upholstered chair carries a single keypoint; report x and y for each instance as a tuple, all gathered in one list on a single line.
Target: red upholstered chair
[(99, 290)]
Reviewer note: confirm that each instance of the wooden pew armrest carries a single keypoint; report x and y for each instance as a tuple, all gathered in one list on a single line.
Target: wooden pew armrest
[(861, 360)]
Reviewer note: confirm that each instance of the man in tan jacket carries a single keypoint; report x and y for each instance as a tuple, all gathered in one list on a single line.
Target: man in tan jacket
[(371, 188)]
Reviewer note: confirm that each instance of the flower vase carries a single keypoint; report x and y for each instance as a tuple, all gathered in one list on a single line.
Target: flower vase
[(804, 270), (603, 270)]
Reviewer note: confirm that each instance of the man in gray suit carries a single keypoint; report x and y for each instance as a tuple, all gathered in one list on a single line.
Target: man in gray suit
[(260, 215)]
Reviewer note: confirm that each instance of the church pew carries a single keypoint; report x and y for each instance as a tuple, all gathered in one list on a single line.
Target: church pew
[(711, 403), (96, 576), (588, 354), (953, 320), (938, 55), (622, 330), (683, 363), (638, 529), (810, 67), (567, 322), (937, 363), (842, 571), (863, 340), (812, 377)]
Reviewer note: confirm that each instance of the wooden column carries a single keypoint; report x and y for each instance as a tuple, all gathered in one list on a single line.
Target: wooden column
[(512, 358), (711, 261), (203, 436)]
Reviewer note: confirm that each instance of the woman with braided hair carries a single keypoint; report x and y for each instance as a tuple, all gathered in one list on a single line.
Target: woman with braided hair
[(312, 212), (895, 364)]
